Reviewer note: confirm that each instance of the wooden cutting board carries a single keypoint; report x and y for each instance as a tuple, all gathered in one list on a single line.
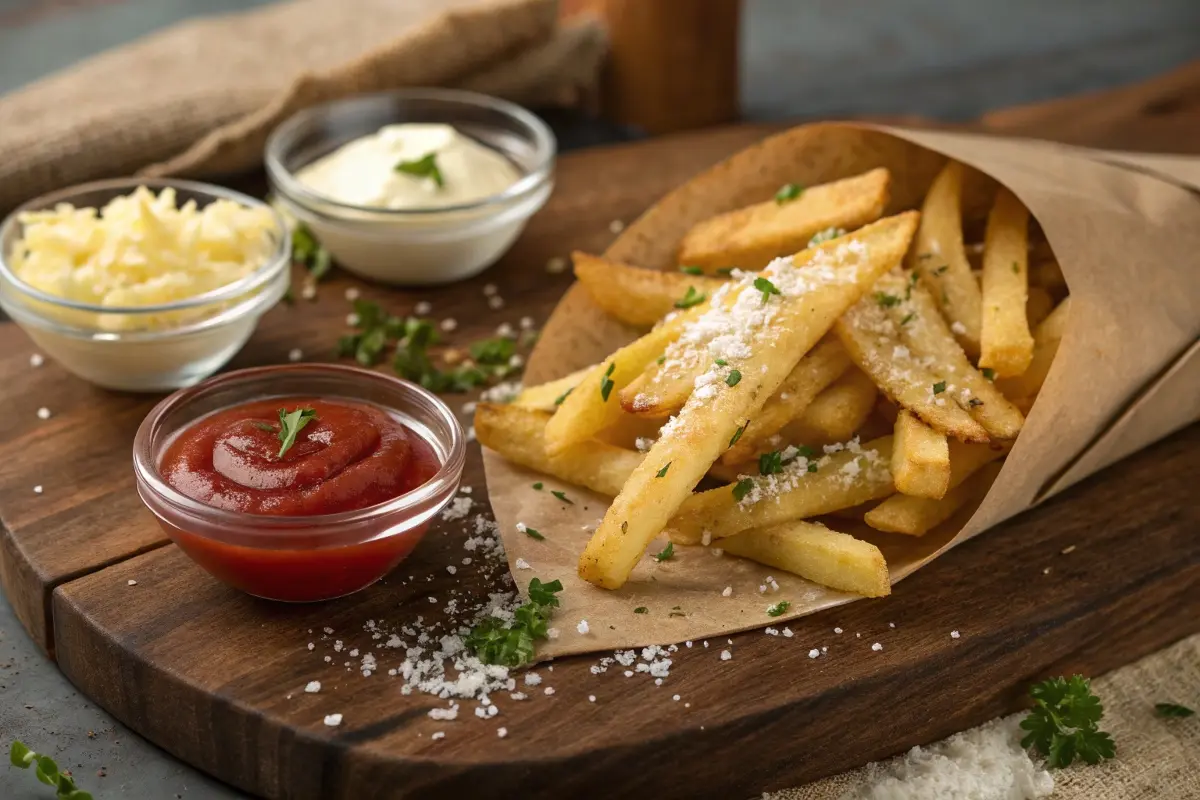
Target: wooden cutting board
[(217, 678)]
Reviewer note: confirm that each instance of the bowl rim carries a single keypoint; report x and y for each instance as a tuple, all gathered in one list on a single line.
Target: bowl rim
[(244, 526), (279, 259), (285, 182)]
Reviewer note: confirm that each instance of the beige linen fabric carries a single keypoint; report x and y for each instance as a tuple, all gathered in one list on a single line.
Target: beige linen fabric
[(200, 97)]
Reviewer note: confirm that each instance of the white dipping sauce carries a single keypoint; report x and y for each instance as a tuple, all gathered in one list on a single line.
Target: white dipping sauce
[(363, 172)]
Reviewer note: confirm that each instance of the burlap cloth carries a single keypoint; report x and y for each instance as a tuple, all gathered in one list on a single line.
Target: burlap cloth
[(200, 97), (1156, 757)]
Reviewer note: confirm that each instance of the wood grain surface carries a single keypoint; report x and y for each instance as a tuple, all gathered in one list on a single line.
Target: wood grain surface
[(217, 678)]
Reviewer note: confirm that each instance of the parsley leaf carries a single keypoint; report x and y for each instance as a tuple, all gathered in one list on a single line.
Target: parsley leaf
[(737, 435), (558, 401), (662, 473), (770, 463), (690, 298), (733, 378), (827, 235), (779, 609), (495, 351), (666, 554), (726, 270), (939, 387), (533, 533), (788, 192), (909, 317), (1173, 710), (46, 771), (561, 495), (812, 466), (538, 486), (1062, 725), (424, 167), (606, 383), (742, 488), (290, 424), (691, 270), (307, 251), (886, 300), (767, 288), (641, 610), (512, 644), (990, 374)]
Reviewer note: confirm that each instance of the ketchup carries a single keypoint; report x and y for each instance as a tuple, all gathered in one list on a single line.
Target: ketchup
[(349, 456)]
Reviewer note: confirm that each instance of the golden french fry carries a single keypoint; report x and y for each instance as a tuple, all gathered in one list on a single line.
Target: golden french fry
[(818, 554), (835, 414), (1038, 306), (916, 516), (940, 260), (632, 433), (1006, 345), (518, 435), (750, 237), (873, 340), (849, 477), (773, 320), (592, 406), (636, 296), (920, 458), (1024, 388), (549, 396), (926, 335), (811, 375)]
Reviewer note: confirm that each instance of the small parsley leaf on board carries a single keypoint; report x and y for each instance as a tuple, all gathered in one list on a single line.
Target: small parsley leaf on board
[(641, 610), (290, 424), (533, 533), (424, 167), (909, 317), (988, 373), (495, 351), (1063, 724), (666, 554), (788, 192), (1172, 710), (886, 300), (538, 486), (561, 495), (779, 609), (307, 251), (511, 644), (46, 771)]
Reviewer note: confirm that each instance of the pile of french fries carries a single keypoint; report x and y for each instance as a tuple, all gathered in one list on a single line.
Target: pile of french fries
[(879, 375)]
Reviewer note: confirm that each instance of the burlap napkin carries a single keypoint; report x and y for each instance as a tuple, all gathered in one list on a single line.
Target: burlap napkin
[(199, 98)]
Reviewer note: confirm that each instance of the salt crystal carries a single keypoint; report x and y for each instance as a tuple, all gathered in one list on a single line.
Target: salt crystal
[(351, 294), (422, 308), (814, 653), (37, 489), (36, 360), (726, 655), (295, 354), (43, 413), (333, 720), (877, 647), (954, 634), (449, 324), (502, 732)]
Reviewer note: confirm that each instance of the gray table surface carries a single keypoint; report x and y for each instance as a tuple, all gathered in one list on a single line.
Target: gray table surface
[(820, 57)]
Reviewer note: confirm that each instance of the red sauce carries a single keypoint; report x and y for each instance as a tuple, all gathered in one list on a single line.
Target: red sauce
[(350, 456)]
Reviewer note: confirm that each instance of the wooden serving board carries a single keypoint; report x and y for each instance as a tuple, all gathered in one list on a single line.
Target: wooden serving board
[(217, 677)]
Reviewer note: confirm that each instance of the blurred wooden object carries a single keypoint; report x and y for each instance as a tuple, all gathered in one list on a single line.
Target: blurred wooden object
[(672, 65)]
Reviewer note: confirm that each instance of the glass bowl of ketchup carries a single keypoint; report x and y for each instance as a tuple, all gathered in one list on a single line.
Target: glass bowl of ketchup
[(302, 482)]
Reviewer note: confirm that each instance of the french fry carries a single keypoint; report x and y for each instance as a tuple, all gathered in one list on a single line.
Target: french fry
[(1006, 345), (518, 435), (629, 430), (636, 296), (818, 554), (836, 413), (916, 516), (940, 260), (751, 237), (812, 375), (965, 461), (1024, 388), (1038, 306), (927, 336), (592, 406), (920, 458), (772, 329), (841, 480), (873, 340), (549, 396)]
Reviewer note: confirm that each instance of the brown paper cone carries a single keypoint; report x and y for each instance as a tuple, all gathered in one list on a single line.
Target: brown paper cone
[(1126, 374)]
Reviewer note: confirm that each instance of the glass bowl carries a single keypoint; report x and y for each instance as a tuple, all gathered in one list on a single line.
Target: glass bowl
[(130, 348), (414, 246), (294, 558)]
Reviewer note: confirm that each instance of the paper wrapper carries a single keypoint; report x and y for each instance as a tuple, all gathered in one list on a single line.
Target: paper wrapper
[(1126, 231)]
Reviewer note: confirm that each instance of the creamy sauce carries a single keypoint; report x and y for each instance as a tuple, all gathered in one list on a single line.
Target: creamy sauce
[(363, 172)]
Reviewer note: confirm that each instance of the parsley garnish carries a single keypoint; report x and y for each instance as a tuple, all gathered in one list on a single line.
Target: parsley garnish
[(909, 317), (538, 486), (779, 609), (511, 644), (661, 359), (690, 298), (912, 282), (423, 167), (767, 288), (558, 401), (988, 373), (606, 383), (770, 463), (788, 192), (641, 610), (941, 269), (308, 251), (691, 270), (742, 488), (1172, 710), (290, 424), (495, 352), (533, 533), (939, 387), (561, 495), (726, 270), (804, 450), (46, 771), (666, 554), (720, 362), (812, 466), (827, 235), (662, 473), (737, 435), (1016, 269), (886, 300), (1062, 724), (733, 378)]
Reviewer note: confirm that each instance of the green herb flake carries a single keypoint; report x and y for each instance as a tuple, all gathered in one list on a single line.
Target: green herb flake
[(538, 486), (606, 387), (496, 351), (687, 270), (532, 533), (742, 488), (909, 317), (812, 466), (788, 192), (690, 298), (726, 270), (886, 300), (1173, 710), (512, 644), (988, 373), (737, 435), (290, 424), (264, 426), (667, 553), (767, 288), (941, 270), (779, 609), (662, 473), (641, 610), (424, 167), (733, 378), (939, 387), (1016, 268), (661, 360), (770, 463), (558, 401), (720, 362), (562, 496), (1064, 723), (805, 451)]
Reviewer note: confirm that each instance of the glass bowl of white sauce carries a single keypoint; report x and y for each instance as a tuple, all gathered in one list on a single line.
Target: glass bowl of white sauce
[(413, 187)]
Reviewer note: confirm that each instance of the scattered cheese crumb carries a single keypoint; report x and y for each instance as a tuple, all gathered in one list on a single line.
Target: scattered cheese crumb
[(727, 591), (333, 720), (837, 630), (438, 735), (422, 308), (309, 291), (489, 289), (43, 413), (591, 698), (891, 624), (502, 732), (814, 653), (352, 319), (526, 323), (36, 360), (556, 265), (495, 302), (132, 582), (523, 564), (616, 226), (877, 647), (675, 697), (787, 633), (450, 713), (451, 569), (532, 679), (449, 324), (958, 327), (549, 690), (351, 293)]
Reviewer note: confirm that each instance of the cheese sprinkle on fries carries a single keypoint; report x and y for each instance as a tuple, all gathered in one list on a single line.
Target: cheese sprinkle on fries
[(838, 385)]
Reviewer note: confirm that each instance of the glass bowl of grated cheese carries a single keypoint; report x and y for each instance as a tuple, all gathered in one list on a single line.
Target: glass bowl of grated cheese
[(142, 285)]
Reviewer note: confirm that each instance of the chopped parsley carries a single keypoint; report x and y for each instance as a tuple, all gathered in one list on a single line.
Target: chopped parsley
[(641, 610), (538, 486), (770, 463), (720, 362), (939, 387), (1016, 269), (558, 401), (424, 167), (733, 378), (805, 450), (561, 495), (788, 192), (667, 553), (606, 383), (1063, 724), (909, 317), (496, 351), (512, 644), (779, 609), (532, 533), (687, 270), (767, 288), (827, 235), (737, 435), (661, 359), (690, 298), (662, 473), (306, 250), (1172, 710), (264, 426), (726, 270), (742, 488), (912, 282), (988, 373), (290, 424), (886, 300), (941, 269), (812, 466)]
